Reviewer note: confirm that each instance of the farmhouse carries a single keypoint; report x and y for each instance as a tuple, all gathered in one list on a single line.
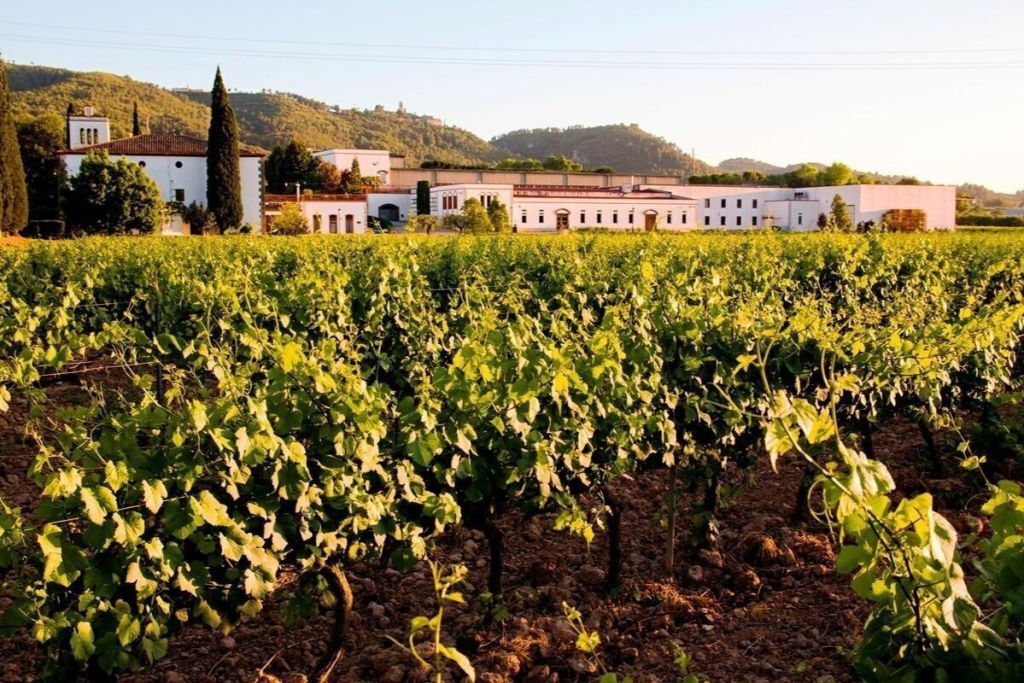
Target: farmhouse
[(176, 163)]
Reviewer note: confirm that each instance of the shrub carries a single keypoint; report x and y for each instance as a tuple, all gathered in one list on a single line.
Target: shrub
[(291, 221)]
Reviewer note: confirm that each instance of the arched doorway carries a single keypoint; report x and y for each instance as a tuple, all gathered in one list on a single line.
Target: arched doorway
[(388, 212), (562, 219), (650, 219)]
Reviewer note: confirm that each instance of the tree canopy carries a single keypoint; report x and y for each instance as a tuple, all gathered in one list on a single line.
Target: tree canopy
[(109, 197), (40, 139)]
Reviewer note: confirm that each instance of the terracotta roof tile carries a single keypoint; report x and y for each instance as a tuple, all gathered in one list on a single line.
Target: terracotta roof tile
[(158, 144)]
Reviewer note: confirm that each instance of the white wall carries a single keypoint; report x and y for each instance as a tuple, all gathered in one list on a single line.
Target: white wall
[(403, 200), (372, 162), (345, 212), (584, 212), (866, 202), (478, 191), (188, 174)]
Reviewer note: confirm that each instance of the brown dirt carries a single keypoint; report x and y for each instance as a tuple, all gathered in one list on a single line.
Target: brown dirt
[(767, 607)]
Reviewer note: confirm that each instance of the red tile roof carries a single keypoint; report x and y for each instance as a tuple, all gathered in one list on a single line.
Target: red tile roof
[(159, 144)]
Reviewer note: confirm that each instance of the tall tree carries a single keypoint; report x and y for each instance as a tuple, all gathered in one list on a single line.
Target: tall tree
[(223, 175), (423, 197), (839, 216), (498, 215), (291, 164), (40, 139), (13, 192), (67, 125), (136, 126)]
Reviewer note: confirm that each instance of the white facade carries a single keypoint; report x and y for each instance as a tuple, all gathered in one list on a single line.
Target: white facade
[(326, 214), (394, 206), (546, 208), (87, 130), (372, 162), (733, 207), (180, 176)]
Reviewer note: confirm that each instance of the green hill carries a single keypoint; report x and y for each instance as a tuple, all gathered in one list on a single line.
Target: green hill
[(265, 119), (627, 149)]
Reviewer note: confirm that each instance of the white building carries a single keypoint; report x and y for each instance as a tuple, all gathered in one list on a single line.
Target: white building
[(535, 208), (328, 214), (176, 163), (797, 209), (372, 162)]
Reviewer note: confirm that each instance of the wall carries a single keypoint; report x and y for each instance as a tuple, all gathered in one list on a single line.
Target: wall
[(325, 208), (607, 207), (372, 162), (403, 200), (77, 124), (190, 177)]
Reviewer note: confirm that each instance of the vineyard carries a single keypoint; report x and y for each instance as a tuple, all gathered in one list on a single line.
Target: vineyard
[(393, 459)]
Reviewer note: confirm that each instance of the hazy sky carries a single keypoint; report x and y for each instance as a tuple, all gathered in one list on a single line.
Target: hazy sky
[(957, 120)]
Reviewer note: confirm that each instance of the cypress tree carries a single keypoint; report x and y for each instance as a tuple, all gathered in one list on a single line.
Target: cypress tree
[(223, 176), (136, 127), (13, 193), (67, 125), (423, 197)]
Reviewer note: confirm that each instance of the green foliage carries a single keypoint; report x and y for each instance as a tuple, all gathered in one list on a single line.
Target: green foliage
[(424, 223), (294, 163), (223, 174), (291, 221), (445, 579), (560, 162), (627, 149), (995, 221), (497, 214), (839, 219), (472, 220), (13, 192), (109, 197), (325, 400), (423, 197), (40, 139), (200, 221)]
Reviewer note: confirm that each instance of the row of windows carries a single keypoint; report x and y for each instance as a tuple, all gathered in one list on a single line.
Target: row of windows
[(739, 221), (449, 201), (177, 164), (599, 217), (332, 223), (89, 136), (739, 203)]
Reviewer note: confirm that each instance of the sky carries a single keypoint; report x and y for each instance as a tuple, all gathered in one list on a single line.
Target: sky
[(931, 89)]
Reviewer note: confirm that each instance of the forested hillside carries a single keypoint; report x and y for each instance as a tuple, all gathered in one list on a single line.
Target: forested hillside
[(265, 119), (625, 148)]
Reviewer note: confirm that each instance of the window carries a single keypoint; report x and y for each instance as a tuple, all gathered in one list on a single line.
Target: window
[(753, 221), (755, 203), (81, 135), (96, 135), (142, 164), (723, 202), (707, 220), (615, 216), (179, 195), (721, 221), (599, 219), (683, 218), (583, 217), (332, 222), (707, 203), (523, 222), (631, 218), (739, 203), (483, 200), (668, 217), (739, 221), (318, 223), (177, 164), (540, 216), (799, 219)]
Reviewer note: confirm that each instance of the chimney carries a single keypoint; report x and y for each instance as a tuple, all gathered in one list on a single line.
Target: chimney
[(89, 111)]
